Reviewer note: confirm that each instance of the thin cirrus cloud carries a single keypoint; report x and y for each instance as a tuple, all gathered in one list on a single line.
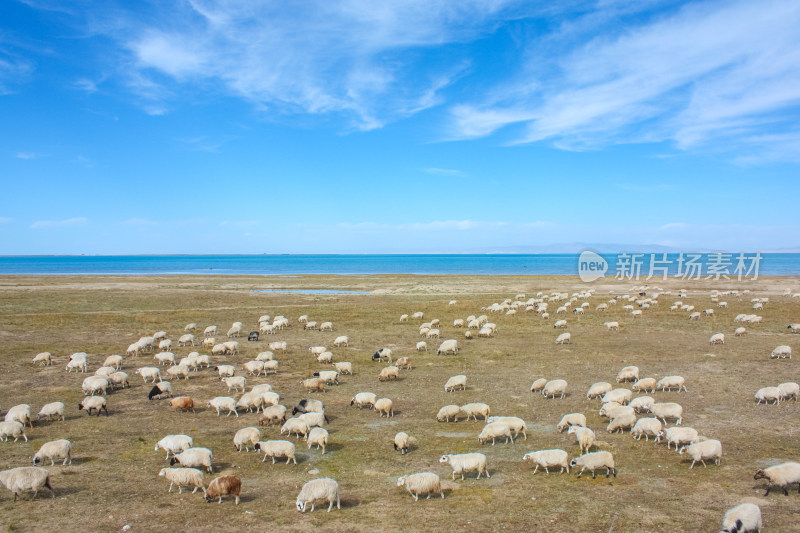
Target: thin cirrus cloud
[(46, 224)]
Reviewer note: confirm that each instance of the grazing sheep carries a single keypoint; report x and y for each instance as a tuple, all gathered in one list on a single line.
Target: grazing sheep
[(649, 427), (621, 422), (314, 384), (341, 341), (310, 325), (223, 403), (768, 394), (744, 518), (223, 485), (165, 345), (278, 346), (403, 363), (235, 383), (667, 410), (364, 398), (789, 390), (448, 411), (740, 331), (295, 425), (516, 424), (79, 365), (642, 403), (114, 361), (186, 339), (246, 437), (695, 316), (572, 419), (184, 403), (455, 383), (254, 368), (55, 409), (560, 324), (317, 350), (423, 483), (645, 384), (401, 442), (178, 372), (422, 346), (621, 396), (94, 384), (448, 346), (611, 326), (104, 371), (418, 314), (190, 477), (584, 436), (671, 382), (20, 413), (780, 476), (43, 357), (597, 390), (174, 444), (314, 419), (468, 334), (318, 436), (54, 450), (26, 478), (344, 367), (781, 352), (308, 405), (593, 461), (538, 384), (458, 323), (318, 489), (717, 338), (160, 389), (466, 462), (678, 436), (149, 372), (700, 451), (564, 338), (93, 402), (555, 387), (277, 449), (495, 430), (193, 457), (389, 372), (548, 459), (403, 318), (384, 406), (383, 353), (793, 328), (614, 409), (629, 373), (12, 428), (274, 414), (472, 410)]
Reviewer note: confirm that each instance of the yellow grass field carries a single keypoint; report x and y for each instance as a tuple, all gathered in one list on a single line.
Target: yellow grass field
[(113, 481)]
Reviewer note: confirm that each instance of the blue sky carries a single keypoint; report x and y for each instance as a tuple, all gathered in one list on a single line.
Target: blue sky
[(237, 126)]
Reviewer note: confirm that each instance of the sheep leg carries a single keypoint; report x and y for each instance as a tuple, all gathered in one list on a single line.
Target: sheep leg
[(693, 462), (170, 486), (180, 489)]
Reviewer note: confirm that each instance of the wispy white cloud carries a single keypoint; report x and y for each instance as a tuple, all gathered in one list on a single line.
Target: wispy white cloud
[(444, 172), (86, 85), (204, 143), (29, 155), (4, 220), (45, 224)]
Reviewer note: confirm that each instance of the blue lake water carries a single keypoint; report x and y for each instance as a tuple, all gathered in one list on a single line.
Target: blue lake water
[(287, 265)]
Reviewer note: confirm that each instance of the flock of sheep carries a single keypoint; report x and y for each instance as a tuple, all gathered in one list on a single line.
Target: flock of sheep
[(308, 420)]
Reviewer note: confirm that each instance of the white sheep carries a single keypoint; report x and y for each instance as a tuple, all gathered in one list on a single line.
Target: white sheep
[(768, 394), (174, 444), (560, 324), (645, 384), (314, 419), (572, 419), (277, 449), (789, 390), (78, 365), (178, 372), (597, 390), (473, 410), (225, 371), (593, 461), (12, 428), (516, 424), (317, 436), (210, 331), (53, 451), (678, 436), (295, 425), (54, 409), (667, 410), (642, 403), (341, 341), (621, 396), (538, 384), (447, 412), (278, 346), (273, 414), (649, 427), (584, 436), (744, 518), (223, 403), (364, 398), (246, 437), (26, 478), (93, 402), (422, 346), (455, 383), (621, 422), (149, 372), (194, 457), (318, 489), (401, 442), (423, 483), (740, 331), (384, 406), (555, 387), (404, 318), (700, 451), (548, 459), (448, 346), (235, 382), (629, 373), (20, 413), (466, 462), (190, 477), (780, 476), (186, 339), (781, 352), (668, 383), (495, 430), (564, 338), (94, 384), (44, 357), (717, 338), (389, 372), (114, 361)]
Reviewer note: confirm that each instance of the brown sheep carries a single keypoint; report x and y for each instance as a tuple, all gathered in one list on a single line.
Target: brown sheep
[(314, 384), (182, 403), (221, 486)]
